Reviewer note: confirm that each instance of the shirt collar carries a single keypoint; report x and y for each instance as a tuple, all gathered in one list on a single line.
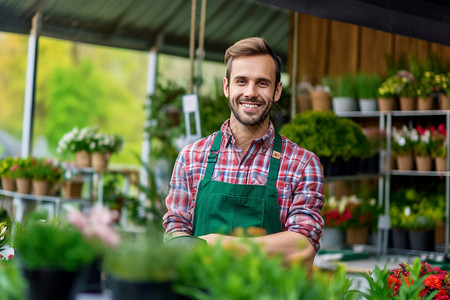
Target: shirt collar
[(267, 139)]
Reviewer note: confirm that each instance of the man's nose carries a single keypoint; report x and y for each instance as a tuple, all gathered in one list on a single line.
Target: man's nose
[(250, 90)]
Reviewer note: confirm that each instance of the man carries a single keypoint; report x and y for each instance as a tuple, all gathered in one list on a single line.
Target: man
[(246, 174)]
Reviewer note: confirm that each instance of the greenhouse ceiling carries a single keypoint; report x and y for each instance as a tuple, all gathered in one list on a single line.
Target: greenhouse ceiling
[(140, 24)]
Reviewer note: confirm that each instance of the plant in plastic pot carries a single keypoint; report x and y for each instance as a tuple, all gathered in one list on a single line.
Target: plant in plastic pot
[(50, 253)]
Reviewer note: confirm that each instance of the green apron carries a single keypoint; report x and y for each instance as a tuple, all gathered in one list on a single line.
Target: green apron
[(222, 207)]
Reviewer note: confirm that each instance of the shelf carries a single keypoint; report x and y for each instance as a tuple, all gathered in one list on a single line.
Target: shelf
[(351, 177), (418, 173)]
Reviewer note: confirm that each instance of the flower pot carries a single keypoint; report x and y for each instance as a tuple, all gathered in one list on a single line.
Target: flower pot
[(400, 238), (100, 161), (423, 163), (82, 159), (343, 104), (407, 103), (440, 164), (439, 232), (23, 185), (73, 189), (367, 105), (137, 290), (387, 104), (41, 187), (8, 184), (49, 284), (89, 278), (331, 238), (422, 240), (425, 103), (320, 100), (354, 236), (444, 102), (404, 162)]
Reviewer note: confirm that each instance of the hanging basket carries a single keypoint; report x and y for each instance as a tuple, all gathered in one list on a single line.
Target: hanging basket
[(82, 159)]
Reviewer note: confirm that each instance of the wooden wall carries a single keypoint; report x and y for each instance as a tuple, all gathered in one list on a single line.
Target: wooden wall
[(332, 48)]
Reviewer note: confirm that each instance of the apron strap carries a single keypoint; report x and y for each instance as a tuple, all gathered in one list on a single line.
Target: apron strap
[(274, 161), (212, 157)]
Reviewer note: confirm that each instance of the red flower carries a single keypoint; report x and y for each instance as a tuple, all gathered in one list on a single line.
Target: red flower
[(392, 280), (433, 282)]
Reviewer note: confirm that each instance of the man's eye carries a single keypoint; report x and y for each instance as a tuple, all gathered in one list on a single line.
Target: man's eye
[(241, 81), (263, 83)]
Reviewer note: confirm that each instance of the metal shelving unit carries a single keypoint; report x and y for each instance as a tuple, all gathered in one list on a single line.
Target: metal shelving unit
[(386, 171)]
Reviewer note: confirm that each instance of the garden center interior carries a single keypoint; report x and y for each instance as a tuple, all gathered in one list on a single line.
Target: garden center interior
[(366, 85)]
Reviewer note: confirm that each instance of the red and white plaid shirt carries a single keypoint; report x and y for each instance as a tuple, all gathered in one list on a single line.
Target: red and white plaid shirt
[(300, 181)]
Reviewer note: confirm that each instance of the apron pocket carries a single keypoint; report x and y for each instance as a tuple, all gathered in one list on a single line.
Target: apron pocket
[(226, 213)]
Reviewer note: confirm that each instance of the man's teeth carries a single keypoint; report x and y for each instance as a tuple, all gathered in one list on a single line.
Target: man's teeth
[(249, 105)]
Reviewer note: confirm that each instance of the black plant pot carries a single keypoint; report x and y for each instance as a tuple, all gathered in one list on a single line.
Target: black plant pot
[(135, 290), (370, 165), (50, 284), (89, 278), (422, 240), (400, 238), (339, 167)]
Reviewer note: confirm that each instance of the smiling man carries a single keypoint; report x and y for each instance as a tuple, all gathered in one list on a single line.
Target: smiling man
[(246, 174)]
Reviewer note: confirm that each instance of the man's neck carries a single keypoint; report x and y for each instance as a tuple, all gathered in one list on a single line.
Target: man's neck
[(244, 135)]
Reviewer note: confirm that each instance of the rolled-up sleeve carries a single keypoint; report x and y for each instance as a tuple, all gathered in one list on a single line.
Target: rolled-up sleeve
[(304, 213), (178, 201)]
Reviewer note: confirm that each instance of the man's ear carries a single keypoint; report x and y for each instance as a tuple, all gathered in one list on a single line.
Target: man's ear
[(278, 91), (226, 87)]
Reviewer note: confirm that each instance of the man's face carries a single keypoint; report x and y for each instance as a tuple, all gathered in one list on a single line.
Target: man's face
[(251, 90)]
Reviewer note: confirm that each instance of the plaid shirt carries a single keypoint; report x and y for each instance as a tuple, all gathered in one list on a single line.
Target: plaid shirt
[(300, 181)]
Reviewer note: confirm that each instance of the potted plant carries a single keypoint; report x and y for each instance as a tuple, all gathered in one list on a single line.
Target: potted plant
[(21, 172), (78, 142), (366, 91), (402, 147), (426, 91), (388, 92), (443, 80), (320, 96), (332, 233), (50, 252), (421, 231), (45, 174), (142, 266), (339, 142), (344, 94), (407, 91), (422, 148), (398, 215), (439, 147), (8, 181), (102, 146)]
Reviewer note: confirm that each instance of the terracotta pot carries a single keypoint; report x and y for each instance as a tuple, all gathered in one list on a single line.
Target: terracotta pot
[(404, 162), (387, 104), (41, 187), (407, 103), (440, 164), (100, 161), (320, 100), (23, 185), (355, 236), (423, 163), (73, 189), (8, 184), (425, 103), (444, 102), (82, 159)]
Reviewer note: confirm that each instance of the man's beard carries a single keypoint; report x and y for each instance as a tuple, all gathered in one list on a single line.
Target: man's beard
[(252, 122)]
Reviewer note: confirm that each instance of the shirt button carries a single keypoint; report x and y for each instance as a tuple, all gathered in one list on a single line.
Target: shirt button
[(242, 166)]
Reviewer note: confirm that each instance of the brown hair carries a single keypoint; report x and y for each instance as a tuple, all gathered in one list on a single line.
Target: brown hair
[(250, 47)]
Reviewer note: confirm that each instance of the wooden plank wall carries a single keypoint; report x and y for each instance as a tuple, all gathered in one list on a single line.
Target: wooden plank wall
[(332, 48)]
